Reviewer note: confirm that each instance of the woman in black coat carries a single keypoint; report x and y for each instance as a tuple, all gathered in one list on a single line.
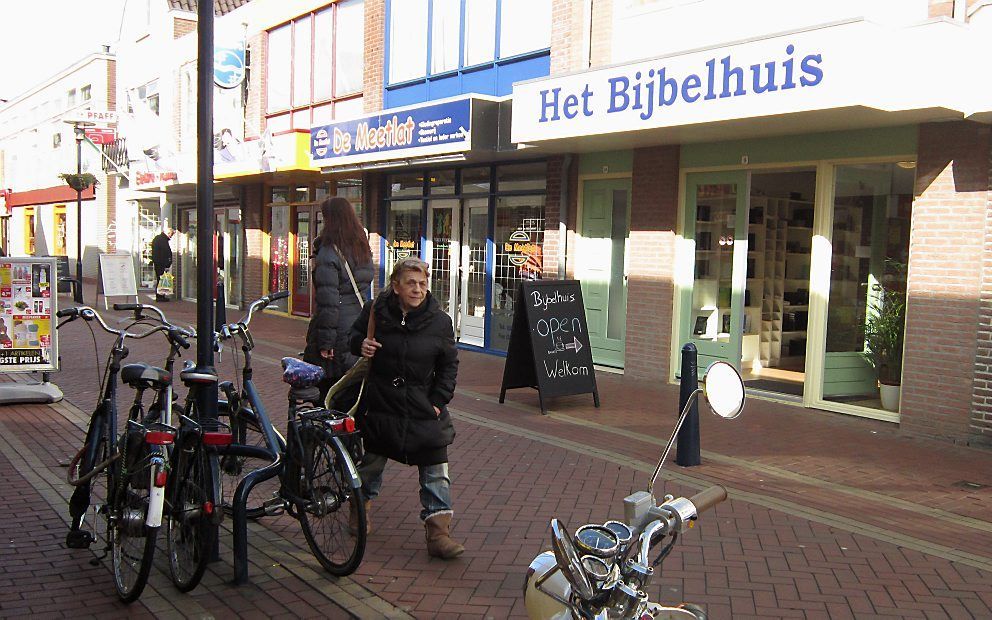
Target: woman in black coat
[(336, 303), (414, 363)]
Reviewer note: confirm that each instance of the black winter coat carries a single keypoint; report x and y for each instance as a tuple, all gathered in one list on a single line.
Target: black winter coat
[(335, 309), (161, 252), (412, 372)]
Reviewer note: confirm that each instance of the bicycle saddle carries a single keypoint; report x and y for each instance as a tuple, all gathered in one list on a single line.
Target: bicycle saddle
[(143, 376), (299, 374)]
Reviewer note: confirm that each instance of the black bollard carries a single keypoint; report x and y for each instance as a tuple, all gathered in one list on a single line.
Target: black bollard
[(687, 444)]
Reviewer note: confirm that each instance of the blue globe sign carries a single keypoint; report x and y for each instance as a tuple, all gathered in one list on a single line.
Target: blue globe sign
[(229, 67)]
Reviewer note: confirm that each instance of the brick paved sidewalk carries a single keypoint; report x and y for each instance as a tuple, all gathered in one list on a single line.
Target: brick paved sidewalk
[(829, 516)]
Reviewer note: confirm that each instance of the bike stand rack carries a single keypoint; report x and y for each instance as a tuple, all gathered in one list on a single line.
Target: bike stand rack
[(240, 507)]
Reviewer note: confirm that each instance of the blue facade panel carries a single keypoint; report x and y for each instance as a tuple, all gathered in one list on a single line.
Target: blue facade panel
[(496, 79), (518, 71)]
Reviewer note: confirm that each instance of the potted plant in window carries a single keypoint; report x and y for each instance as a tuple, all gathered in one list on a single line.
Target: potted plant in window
[(79, 182), (884, 331)]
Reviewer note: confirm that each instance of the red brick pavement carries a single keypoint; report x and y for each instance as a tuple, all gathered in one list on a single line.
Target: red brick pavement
[(829, 516)]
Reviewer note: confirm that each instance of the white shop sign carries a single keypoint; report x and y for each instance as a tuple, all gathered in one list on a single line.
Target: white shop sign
[(818, 69)]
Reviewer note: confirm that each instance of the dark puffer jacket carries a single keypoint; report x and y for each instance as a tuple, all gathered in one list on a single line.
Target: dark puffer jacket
[(412, 372), (335, 309)]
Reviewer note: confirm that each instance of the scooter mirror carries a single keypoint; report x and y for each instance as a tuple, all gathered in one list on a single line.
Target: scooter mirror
[(724, 390)]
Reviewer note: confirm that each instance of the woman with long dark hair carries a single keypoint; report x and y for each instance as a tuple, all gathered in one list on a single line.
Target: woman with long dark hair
[(342, 244)]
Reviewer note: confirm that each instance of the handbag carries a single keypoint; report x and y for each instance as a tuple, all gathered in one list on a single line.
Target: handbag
[(166, 283)]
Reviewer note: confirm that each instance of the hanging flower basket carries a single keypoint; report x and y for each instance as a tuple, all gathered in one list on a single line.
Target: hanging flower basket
[(79, 182)]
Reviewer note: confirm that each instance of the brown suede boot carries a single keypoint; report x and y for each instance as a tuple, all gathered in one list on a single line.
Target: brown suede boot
[(353, 518), (440, 544)]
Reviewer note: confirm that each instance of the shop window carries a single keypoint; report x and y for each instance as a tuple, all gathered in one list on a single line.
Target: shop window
[(403, 231), (280, 194), (188, 255), (442, 182), (279, 251), (519, 241), (475, 180), (870, 251), (61, 230), (516, 177), (315, 67), (29, 231), (351, 189), (407, 184)]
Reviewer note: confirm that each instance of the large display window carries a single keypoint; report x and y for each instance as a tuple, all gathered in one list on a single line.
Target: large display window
[(481, 229)]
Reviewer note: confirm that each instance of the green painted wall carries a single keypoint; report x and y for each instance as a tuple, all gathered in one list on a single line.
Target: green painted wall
[(616, 161), (834, 145)]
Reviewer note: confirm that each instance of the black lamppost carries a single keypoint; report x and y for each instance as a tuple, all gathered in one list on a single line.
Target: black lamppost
[(79, 128)]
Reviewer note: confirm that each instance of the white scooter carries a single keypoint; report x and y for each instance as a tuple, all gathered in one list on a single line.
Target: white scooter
[(600, 571)]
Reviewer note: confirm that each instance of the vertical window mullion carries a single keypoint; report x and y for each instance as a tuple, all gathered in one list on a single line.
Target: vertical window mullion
[(313, 47), (461, 35), (499, 27), (334, 60), (430, 38)]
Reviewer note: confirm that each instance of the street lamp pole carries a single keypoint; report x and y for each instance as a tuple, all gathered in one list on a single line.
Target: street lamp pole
[(79, 129), (78, 290)]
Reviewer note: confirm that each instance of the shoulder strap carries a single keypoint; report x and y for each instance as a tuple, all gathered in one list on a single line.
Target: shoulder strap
[(351, 276)]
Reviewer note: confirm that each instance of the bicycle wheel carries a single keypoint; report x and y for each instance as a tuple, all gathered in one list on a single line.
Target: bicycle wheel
[(328, 500), (132, 543), (233, 467), (189, 536)]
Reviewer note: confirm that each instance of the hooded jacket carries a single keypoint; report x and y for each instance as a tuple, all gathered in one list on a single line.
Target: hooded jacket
[(335, 309), (411, 373)]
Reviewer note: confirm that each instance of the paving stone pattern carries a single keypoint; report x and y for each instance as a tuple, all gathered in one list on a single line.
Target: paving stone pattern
[(829, 516)]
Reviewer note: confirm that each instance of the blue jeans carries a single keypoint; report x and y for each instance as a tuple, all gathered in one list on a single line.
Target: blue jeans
[(435, 485)]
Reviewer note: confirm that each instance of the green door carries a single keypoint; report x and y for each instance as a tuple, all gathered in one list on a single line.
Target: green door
[(602, 266), (712, 302)]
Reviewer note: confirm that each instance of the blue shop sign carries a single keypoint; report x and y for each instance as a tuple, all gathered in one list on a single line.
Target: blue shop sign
[(428, 128), (229, 66)]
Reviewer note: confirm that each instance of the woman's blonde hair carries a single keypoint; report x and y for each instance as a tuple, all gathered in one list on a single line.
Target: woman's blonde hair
[(409, 264)]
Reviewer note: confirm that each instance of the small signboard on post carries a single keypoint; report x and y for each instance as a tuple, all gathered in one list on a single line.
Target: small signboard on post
[(549, 342), (117, 277)]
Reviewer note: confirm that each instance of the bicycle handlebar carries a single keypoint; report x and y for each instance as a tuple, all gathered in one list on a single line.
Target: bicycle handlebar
[(255, 306), (67, 312), (708, 498)]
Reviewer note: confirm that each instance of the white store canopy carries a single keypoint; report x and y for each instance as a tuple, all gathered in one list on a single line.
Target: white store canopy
[(844, 75)]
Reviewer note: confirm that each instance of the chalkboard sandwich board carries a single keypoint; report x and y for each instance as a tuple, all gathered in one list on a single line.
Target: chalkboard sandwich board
[(549, 342)]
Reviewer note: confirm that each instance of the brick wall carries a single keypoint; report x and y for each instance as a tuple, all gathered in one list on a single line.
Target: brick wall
[(651, 284), (941, 8), (255, 105), (375, 37), (601, 35), (939, 377), (981, 412), (182, 27), (566, 36), (251, 216)]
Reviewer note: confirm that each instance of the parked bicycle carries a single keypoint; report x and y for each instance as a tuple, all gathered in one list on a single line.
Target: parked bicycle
[(192, 503), (315, 461), (134, 459)]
